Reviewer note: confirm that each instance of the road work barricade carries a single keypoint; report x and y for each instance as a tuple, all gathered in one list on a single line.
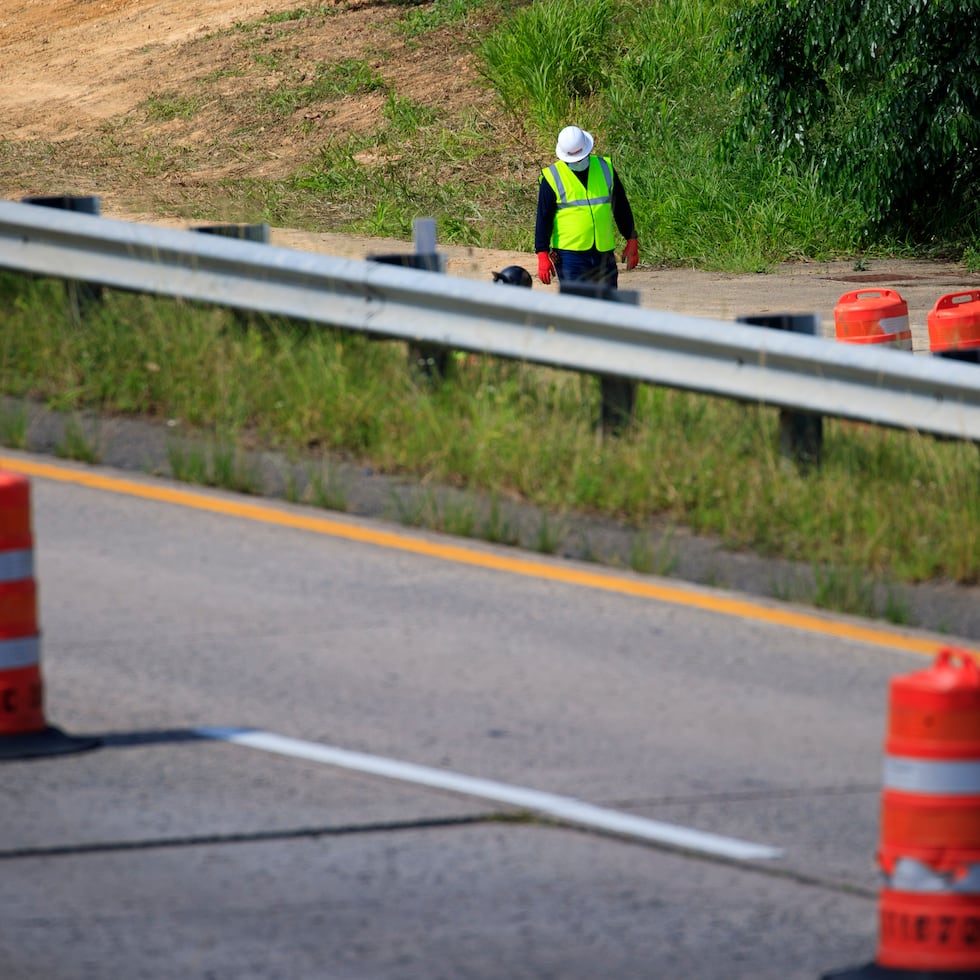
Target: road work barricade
[(954, 326), (23, 729), (929, 907), (873, 316)]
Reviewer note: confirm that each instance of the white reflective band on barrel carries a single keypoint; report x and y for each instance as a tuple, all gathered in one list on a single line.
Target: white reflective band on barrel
[(895, 324), (914, 876), (22, 652), (16, 565), (916, 776)]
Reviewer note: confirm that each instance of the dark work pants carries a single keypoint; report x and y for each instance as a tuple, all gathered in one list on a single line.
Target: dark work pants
[(591, 266)]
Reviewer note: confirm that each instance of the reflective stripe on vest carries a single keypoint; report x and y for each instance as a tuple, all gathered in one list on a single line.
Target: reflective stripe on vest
[(15, 654), (940, 778), (585, 222)]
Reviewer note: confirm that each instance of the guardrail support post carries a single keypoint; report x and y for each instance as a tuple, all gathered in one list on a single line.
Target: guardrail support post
[(249, 233), (81, 296), (618, 395), (258, 233), (800, 433), (431, 361)]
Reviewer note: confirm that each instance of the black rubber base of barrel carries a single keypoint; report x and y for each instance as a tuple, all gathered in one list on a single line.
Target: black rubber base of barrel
[(51, 741), (874, 972)]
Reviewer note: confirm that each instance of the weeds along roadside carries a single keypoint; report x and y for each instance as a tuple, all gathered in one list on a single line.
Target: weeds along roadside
[(885, 507)]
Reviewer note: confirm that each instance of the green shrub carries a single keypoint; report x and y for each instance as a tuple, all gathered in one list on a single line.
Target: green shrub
[(881, 97)]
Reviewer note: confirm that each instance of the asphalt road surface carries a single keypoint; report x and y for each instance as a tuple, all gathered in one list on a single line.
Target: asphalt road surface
[(173, 851)]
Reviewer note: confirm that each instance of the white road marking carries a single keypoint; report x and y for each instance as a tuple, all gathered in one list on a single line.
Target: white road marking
[(562, 808)]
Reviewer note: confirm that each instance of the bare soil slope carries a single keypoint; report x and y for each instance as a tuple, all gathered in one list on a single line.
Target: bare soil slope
[(69, 65)]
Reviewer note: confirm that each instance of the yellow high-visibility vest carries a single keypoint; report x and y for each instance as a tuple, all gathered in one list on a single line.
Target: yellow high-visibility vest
[(582, 222)]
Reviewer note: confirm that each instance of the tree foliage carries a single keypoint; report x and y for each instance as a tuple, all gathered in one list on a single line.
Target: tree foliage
[(881, 96)]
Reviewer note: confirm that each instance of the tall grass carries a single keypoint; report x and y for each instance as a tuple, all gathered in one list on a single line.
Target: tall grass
[(649, 80), (551, 58)]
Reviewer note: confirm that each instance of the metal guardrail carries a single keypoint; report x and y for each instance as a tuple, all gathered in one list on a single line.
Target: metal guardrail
[(884, 386)]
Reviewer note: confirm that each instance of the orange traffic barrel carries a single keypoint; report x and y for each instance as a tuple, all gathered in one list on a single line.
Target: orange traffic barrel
[(873, 316), (929, 849), (23, 729), (954, 326)]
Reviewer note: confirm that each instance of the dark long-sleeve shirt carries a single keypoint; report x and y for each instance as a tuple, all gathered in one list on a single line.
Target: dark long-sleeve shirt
[(548, 207)]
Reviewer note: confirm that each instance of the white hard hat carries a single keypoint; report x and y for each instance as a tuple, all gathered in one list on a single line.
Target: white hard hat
[(574, 144)]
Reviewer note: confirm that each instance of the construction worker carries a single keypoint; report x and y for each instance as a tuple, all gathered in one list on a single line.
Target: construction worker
[(581, 203)]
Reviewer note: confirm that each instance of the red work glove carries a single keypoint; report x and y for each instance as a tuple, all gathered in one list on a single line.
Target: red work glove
[(631, 254), (545, 268)]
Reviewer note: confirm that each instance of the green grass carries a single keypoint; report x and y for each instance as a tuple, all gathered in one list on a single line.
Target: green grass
[(323, 488), (648, 80), (436, 14), (165, 106), (218, 463), (77, 444), (13, 427), (647, 556), (551, 58), (327, 80)]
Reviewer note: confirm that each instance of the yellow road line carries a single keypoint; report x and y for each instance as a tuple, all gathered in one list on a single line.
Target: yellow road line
[(674, 594)]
